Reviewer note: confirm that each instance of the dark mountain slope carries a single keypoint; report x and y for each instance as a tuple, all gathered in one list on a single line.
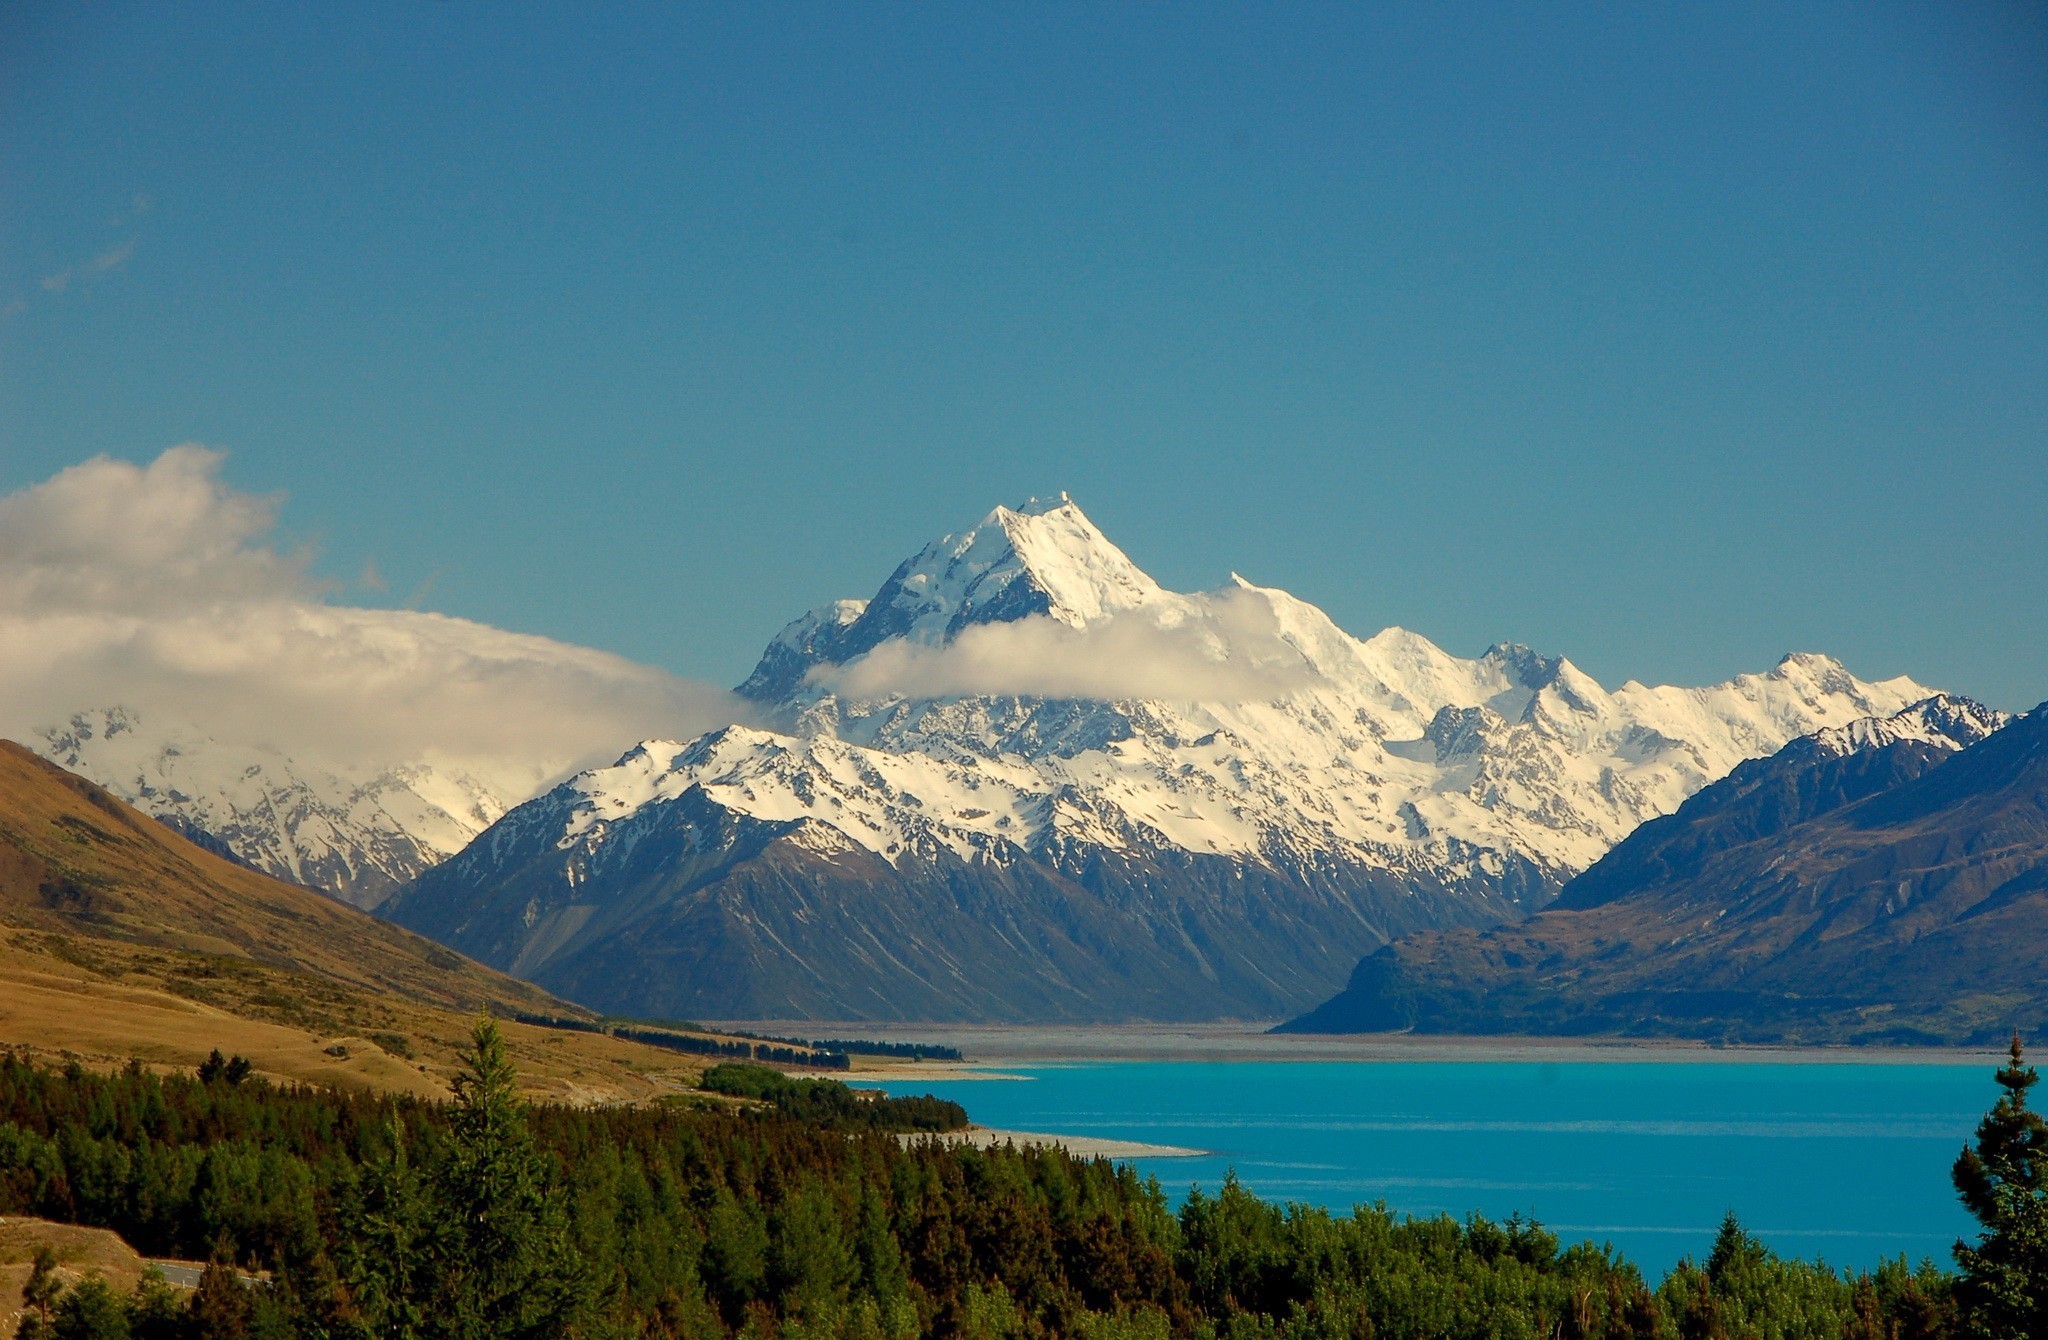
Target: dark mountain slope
[(951, 806), (1896, 893), (119, 939), (712, 914), (1813, 775)]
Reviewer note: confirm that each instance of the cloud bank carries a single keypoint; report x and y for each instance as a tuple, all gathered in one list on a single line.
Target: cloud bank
[(1228, 650), (154, 587)]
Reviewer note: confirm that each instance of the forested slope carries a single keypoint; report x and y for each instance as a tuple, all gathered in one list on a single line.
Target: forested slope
[(396, 1217)]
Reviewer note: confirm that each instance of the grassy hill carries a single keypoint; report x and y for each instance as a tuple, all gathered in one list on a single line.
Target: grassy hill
[(120, 939)]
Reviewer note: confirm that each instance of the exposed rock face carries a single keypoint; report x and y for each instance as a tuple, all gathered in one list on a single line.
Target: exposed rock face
[(971, 840), (355, 837), (1886, 882)]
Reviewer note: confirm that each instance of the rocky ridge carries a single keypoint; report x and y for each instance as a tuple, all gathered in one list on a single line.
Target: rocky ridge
[(923, 825), (1882, 883), (356, 837)]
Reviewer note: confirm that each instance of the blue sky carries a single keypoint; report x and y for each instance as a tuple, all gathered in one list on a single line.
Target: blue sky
[(1668, 338)]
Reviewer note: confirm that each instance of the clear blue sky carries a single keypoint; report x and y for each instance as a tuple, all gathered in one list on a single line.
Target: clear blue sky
[(1666, 337)]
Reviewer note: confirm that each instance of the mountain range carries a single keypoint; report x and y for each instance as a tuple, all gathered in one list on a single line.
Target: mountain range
[(119, 939), (1026, 782), (355, 834), (1887, 882)]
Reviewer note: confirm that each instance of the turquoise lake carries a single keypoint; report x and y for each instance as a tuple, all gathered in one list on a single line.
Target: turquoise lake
[(1844, 1161)]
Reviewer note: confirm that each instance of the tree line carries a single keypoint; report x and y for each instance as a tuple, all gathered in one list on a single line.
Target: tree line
[(791, 1051), (483, 1216)]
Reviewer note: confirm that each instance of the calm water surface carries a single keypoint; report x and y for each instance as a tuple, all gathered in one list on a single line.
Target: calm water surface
[(1843, 1161)]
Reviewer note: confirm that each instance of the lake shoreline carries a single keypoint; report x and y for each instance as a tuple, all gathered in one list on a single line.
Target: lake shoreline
[(1650, 1156), (1080, 1146), (996, 1045)]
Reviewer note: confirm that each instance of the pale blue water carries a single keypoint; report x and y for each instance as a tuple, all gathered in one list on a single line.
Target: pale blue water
[(1848, 1162)]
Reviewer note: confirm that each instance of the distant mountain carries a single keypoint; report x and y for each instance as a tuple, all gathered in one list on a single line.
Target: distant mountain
[(1883, 883), (119, 939), (355, 837), (1025, 781)]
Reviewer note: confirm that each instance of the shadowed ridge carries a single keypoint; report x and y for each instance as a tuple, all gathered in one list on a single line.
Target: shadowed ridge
[(74, 860), (119, 938), (1895, 894)]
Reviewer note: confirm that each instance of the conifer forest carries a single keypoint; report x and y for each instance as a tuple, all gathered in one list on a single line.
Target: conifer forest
[(810, 1211)]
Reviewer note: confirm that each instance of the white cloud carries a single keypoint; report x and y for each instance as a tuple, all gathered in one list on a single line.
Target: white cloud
[(1230, 651), (101, 263), (154, 587), (108, 260)]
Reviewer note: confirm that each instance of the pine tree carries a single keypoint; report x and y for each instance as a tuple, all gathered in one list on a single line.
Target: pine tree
[(387, 1237), (92, 1311), (39, 1296), (2003, 1181), (508, 1269), (1735, 1252), (155, 1312), (220, 1308)]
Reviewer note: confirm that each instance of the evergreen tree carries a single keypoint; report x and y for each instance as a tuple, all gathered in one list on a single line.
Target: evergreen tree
[(2003, 1181), (155, 1312), (92, 1311), (220, 1308), (39, 1296), (736, 1248), (386, 1238), (230, 1069), (507, 1267), (1735, 1252), (811, 1265)]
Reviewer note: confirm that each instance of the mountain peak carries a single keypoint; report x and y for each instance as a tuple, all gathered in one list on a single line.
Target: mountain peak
[(1813, 664), (1531, 668), (1036, 506), (1057, 550), (1948, 721), (1043, 557), (803, 642)]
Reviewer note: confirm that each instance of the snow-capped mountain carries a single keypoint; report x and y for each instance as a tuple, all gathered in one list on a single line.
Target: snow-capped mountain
[(1055, 789), (1947, 722), (1881, 882), (356, 837), (1389, 747)]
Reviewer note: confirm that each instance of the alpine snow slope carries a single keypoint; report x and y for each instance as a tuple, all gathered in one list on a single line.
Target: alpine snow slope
[(1887, 883), (356, 837), (1025, 782)]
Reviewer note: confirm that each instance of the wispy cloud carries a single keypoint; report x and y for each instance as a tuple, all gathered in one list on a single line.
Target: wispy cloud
[(108, 260), (1230, 651), (100, 263), (156, 587)]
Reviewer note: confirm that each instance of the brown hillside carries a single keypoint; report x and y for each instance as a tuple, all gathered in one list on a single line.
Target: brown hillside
[(79, 1251), (120, 939), (1890, 897)]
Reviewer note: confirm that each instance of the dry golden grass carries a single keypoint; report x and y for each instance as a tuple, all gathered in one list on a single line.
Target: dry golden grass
[(119, 940), (79, 1251)]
